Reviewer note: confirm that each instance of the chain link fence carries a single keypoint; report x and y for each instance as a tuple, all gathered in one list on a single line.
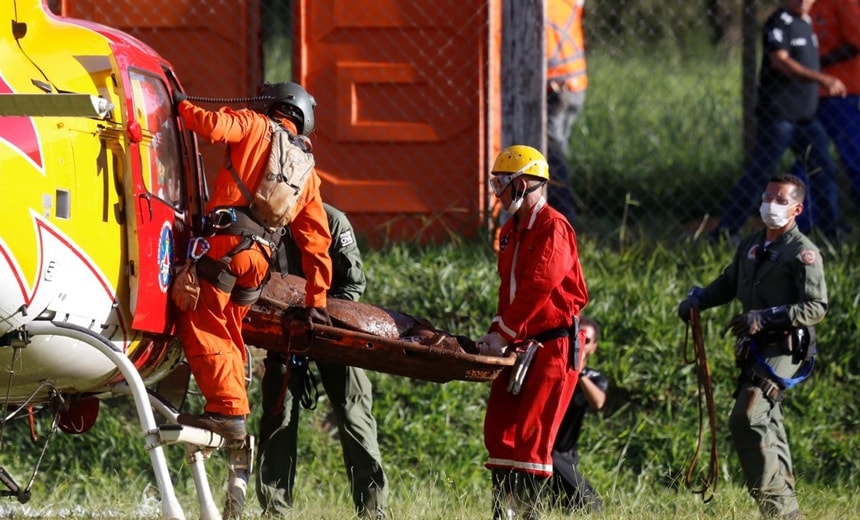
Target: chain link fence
[(664, 134)]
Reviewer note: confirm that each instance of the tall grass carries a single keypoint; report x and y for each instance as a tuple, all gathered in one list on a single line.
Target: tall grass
[(659, 141), (636, 451)]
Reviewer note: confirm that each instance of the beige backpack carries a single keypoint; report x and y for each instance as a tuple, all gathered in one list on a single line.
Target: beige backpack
[(287, 171)]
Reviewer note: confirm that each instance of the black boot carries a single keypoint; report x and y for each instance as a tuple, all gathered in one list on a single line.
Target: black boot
[(528, 491), (503, 494)]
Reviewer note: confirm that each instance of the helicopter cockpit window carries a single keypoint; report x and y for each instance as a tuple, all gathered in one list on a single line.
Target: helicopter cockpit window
[(160, 149)]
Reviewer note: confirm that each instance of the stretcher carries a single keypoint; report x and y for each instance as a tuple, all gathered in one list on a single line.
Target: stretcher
[(365, 336)]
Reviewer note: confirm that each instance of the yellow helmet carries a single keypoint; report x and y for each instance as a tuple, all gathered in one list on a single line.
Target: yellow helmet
[(514, 161)]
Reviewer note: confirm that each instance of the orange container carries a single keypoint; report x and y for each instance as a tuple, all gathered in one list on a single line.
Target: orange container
[(404, 90)]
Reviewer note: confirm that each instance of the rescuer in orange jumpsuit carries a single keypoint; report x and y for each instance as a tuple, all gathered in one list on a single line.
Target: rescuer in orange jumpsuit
[(211, 334)]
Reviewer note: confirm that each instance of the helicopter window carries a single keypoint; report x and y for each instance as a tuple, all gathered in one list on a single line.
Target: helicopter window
[(160, 150)]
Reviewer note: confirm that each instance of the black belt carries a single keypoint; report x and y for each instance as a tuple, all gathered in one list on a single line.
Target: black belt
[(564, 332), (551, 334)]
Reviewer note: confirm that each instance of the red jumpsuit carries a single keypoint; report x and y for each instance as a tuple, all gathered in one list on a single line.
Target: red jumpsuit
[(542, 288), (211, 334)]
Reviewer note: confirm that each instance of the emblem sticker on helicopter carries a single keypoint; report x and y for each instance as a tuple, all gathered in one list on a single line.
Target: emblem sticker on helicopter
[(165, 256)]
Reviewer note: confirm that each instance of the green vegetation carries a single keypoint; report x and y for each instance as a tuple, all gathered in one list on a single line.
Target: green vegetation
[(662, 142), (660, 138), (636, 451)]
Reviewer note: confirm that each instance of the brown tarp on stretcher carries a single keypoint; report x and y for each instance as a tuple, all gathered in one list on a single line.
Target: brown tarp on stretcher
[(366, 336)]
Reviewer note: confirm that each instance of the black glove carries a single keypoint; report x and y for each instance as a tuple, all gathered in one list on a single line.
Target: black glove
[(178, 97), (319, 315), (689, 303), (747, 323), (753, 322)]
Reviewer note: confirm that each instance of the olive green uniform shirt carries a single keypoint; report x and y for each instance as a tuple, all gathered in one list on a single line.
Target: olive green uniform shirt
[(789, 272)]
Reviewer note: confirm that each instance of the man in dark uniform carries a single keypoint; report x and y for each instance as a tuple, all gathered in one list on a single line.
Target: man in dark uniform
[(787, 104), (778, 276), (348, 389), (569, 489)]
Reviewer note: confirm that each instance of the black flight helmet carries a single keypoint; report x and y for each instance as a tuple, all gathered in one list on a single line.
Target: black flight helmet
[(289, 99)]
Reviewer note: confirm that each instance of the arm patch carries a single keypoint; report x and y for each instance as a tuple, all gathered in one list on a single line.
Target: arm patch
[(808, 256)]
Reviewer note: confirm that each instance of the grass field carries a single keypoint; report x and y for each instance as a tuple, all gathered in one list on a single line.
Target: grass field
[(635, 452)]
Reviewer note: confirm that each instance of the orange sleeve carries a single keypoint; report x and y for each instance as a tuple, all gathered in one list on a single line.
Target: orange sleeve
[(311, 234), (246, 133), (224, 126)]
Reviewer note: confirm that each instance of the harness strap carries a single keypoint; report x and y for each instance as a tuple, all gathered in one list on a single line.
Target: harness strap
[(561, 332), (217, 272), (241, 185), (802, 373)]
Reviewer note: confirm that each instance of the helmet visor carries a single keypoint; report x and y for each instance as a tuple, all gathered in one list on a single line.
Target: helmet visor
[(499, 183)]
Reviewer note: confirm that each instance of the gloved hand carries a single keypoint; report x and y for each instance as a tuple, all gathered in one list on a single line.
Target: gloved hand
[(689, 303), (493, 344), (750, 322), (319, 315), (178, 97), (754, 321)]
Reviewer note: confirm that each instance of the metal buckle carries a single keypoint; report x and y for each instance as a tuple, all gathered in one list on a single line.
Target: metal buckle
[(222, 218), (197, 247), (770, 389)]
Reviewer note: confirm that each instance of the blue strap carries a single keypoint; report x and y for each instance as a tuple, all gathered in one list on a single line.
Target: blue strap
[(802, 373)]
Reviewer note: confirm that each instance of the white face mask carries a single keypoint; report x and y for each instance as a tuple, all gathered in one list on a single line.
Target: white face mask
[(774, 216), (516, 203)]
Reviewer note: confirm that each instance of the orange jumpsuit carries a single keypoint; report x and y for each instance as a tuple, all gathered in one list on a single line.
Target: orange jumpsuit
[(211, 334)]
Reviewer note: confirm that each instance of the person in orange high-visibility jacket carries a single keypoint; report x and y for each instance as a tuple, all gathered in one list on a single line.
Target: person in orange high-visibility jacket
[(541, 294), (211, 334), (837, 25), (565, 94)]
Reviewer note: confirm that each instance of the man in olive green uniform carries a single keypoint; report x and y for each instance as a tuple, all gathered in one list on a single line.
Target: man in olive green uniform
[(348, 390), (778, 276)]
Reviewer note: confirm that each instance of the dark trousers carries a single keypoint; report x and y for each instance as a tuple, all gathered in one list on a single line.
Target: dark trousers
[(569, 489)]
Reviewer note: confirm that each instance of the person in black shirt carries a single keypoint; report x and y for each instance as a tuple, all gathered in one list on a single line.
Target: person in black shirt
[(568, 488), (786, 118)]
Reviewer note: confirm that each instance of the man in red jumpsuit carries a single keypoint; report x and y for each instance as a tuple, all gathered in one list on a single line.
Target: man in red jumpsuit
[(541, 294), (239, 251)]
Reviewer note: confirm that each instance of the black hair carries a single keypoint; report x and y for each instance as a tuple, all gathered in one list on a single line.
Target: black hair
[(588, 320), (788, 178)]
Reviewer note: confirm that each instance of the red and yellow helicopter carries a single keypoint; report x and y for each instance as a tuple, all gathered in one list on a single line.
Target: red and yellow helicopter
[(98, 190)]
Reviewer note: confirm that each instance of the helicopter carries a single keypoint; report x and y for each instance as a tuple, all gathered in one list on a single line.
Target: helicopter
[(99, 188), (102, 192)]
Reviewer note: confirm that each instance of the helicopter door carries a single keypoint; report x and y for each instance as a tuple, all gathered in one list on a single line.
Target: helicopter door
[(156, 207)]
